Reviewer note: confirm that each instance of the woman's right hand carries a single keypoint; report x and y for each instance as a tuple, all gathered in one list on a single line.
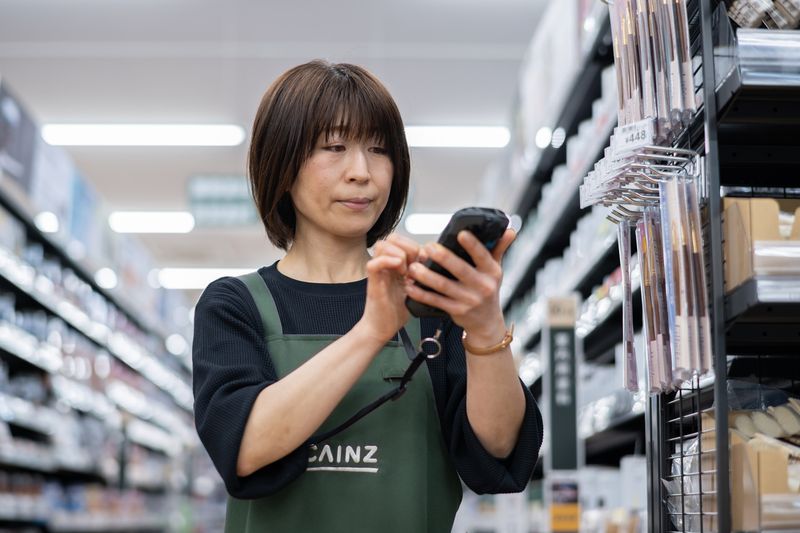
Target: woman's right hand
[(387, 275)]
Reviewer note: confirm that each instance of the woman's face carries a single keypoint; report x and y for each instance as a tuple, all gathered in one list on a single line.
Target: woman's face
[(342, 188)]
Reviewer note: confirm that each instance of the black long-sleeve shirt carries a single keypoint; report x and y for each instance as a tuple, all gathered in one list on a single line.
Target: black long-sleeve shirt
[(232, 366)]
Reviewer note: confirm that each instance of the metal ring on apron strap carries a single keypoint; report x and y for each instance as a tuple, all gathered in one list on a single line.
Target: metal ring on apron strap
[(437, 347)]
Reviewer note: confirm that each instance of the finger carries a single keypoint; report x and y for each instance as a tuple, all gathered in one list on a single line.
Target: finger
[(506, 241), (480, 255), (385, 262), (389, 249), (409, 246), (459, 268), (442, 284), (431, 298)]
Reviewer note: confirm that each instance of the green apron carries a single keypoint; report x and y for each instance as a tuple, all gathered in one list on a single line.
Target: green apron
[(389, 472)]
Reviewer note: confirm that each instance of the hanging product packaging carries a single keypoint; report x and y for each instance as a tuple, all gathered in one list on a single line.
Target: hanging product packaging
[(696, 237), (646, 58), (661, 52), (653, 228), (631, 57), (630, 375), (654, 384), (685, 58), (675, 286), (689, 276), (620, 65)]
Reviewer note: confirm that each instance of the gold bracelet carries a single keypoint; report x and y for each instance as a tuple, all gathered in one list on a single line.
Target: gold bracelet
[(509, 336)]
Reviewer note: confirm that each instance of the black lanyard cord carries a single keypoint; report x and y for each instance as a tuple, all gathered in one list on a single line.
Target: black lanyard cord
[(416, 358)]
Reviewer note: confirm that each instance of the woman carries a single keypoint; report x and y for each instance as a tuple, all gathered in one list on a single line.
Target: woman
[(297, 348)]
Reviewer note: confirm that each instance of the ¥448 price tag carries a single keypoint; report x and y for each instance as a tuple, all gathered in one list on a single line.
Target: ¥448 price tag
[(633, 137)]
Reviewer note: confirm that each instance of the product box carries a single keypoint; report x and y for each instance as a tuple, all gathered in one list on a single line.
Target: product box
[(758, 476), (762, 238)]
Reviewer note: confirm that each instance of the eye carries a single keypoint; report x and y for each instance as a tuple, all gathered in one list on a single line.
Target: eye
[(380, 150), (335, 148)]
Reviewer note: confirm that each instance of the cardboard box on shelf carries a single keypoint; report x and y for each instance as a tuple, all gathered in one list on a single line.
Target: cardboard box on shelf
[(758, 474), (755, 241)]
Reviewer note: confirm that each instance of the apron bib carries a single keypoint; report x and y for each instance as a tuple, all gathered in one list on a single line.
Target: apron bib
[(389, 472)]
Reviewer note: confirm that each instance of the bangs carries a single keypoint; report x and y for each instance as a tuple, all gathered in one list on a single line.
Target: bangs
[(355, 108)]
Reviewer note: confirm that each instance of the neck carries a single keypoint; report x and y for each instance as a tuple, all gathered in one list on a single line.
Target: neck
[(326, 260)]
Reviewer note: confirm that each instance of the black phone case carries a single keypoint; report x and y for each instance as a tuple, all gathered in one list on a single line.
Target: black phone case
[(487, 224)]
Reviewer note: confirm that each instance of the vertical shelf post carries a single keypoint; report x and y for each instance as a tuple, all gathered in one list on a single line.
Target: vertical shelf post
[(717, 274)]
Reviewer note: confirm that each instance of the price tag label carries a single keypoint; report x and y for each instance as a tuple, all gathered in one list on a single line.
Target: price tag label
[(633, 137)]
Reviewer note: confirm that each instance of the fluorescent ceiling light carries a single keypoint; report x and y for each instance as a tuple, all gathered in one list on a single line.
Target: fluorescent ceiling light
[(143, 134), (427, 223), (195, 278), (457, 136), (151, 221)]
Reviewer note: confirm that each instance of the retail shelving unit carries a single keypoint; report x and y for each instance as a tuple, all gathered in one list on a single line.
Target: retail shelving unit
[(609, 439), (747, 129), (553, 238), (96, 430)]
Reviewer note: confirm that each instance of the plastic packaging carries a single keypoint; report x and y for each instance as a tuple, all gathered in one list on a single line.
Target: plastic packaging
[(630, 373)]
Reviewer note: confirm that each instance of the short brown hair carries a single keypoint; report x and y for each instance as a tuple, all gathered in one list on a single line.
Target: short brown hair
[(305, 102)]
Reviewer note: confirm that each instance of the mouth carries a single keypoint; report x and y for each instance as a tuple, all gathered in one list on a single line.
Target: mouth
[(356, 204)]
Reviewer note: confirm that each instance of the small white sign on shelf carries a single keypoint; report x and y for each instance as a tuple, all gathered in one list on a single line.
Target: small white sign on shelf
[(632, 137)]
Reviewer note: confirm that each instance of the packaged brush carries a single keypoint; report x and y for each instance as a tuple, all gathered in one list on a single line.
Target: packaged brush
[(654, 382), (690, 275), (618, 39), (630, 374), (653, 227), (674, 288), (700, 279)]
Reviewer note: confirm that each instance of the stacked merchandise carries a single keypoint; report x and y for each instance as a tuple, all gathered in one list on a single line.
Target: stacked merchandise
[(777, 14), (653, 64), (656, 191), (614, 498), (555, 202), (762, 240), (662, 180), (96, 428), (764, 429)]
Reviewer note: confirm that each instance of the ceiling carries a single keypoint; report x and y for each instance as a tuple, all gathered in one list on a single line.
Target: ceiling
[(447, 62)]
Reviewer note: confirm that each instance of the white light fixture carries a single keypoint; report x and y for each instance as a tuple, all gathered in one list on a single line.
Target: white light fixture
[(176, 344), (47, 222), (543, 137), (559, 136), (106, 278), (457, 136), (195, 278), (143, 134), (151, 221), (426, 223)]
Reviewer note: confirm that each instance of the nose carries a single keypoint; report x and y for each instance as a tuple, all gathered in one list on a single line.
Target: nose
[(358, 165)]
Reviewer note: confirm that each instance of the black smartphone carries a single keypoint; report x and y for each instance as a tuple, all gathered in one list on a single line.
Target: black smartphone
[(487, 224)]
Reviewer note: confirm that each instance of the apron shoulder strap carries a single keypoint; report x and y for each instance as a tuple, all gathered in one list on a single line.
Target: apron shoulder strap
[(414, 329), (264, 302)]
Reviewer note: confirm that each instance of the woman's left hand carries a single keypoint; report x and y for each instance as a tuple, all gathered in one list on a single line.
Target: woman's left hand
[(472, 300)]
